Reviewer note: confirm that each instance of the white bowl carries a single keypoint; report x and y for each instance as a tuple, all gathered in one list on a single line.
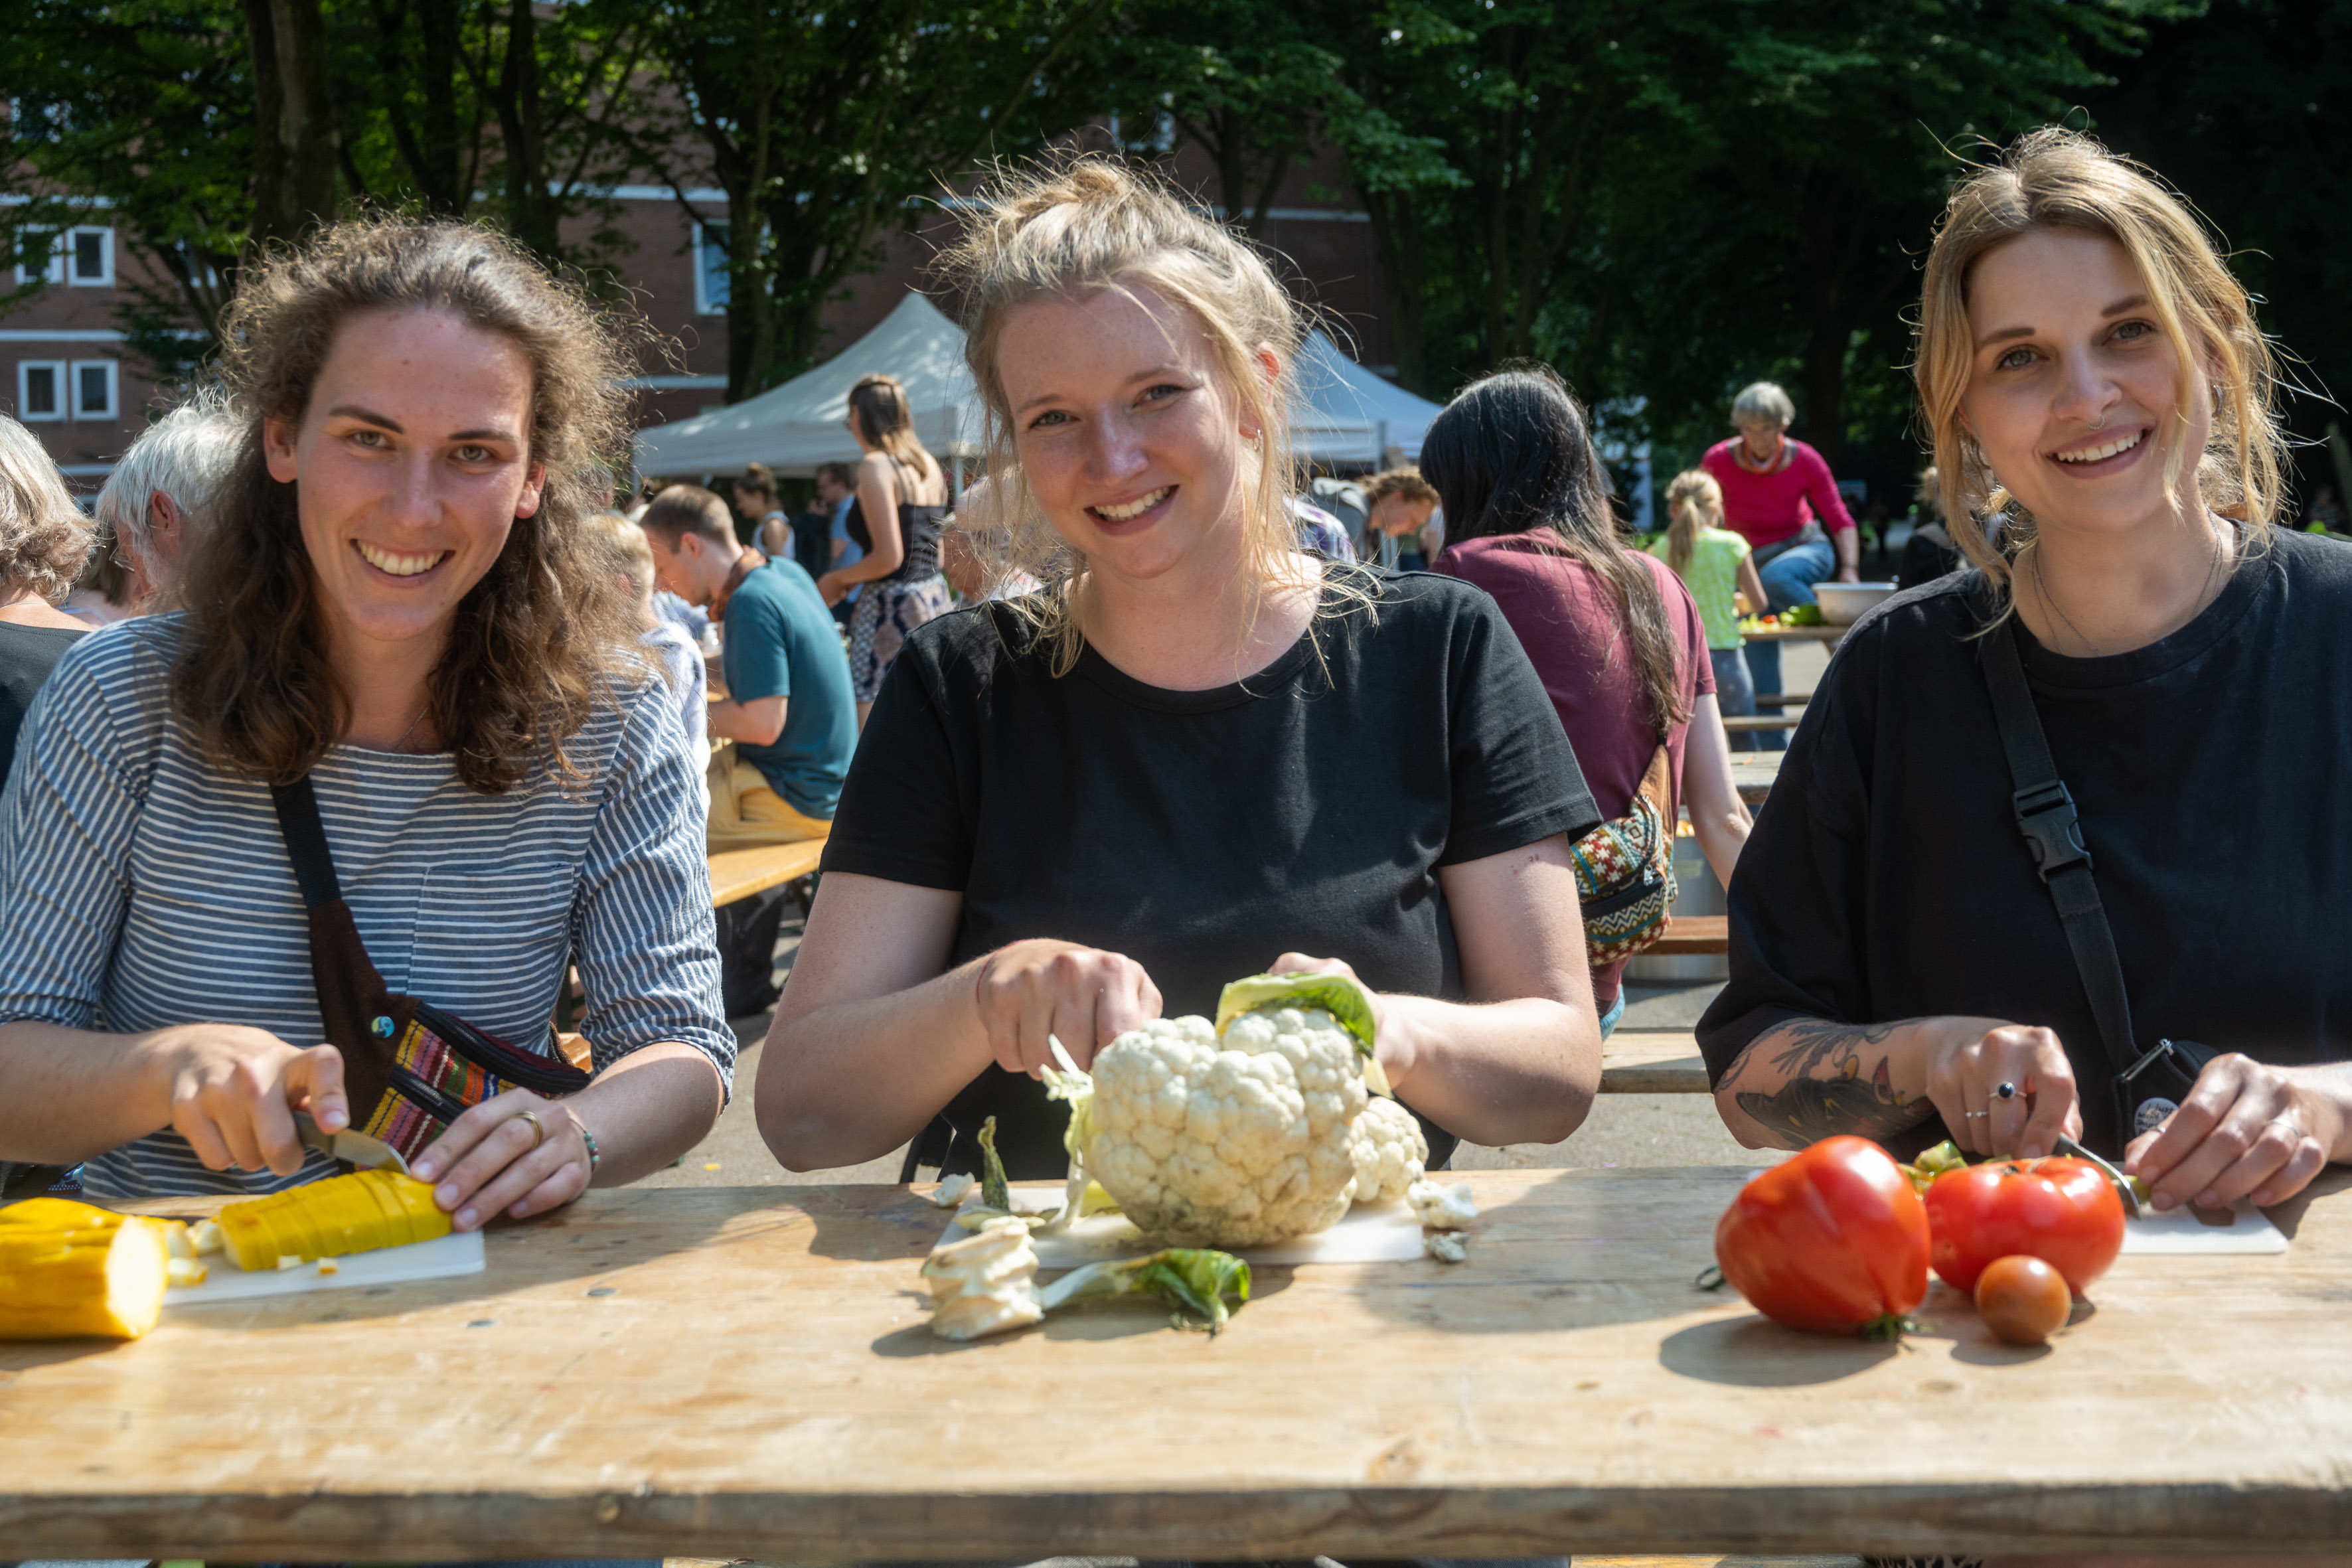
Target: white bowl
[(1842, 604)]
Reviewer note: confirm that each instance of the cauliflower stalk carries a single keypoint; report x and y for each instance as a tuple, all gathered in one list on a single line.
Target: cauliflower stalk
[(1246, 1133), (987, 1283)]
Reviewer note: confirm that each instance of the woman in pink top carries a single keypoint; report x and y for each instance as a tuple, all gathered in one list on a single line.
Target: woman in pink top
[(1778, 495), (1613, 633)]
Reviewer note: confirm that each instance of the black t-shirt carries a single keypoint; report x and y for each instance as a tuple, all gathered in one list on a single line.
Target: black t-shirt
[(1886, 879), (27, 654), (1204, 834)]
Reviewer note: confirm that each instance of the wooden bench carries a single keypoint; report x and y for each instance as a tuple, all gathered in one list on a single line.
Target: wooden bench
[(1783, 699), (739, 873), (1689, 935), (1749, 723), (1652, 1061)]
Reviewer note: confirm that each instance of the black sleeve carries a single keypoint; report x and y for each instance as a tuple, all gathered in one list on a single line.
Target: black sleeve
[(903, 815), (1796, 901), (1514, 778)]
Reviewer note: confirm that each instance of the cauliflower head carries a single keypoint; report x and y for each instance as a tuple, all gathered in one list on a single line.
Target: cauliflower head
[(1236, 1140), (1389, 1152)]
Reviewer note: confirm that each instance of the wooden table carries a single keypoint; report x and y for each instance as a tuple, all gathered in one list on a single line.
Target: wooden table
[(739, 873), (1822, 634), (1754, 773), (738, 1372), (1652, 1061)]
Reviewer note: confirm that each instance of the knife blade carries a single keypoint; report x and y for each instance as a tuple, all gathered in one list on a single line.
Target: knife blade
[(353, 1147)]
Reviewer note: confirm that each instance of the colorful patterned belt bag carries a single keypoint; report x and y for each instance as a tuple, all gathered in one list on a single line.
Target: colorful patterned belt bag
[(409, 1068), (1626, 870)]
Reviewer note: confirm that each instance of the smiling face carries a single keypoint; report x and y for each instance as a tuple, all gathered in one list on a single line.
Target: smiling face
[(1129, 433), (412, 466), (2073, 383)]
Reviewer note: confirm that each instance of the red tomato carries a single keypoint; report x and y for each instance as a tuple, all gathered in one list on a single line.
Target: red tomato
[(1832, 1239), (2062, 1210)]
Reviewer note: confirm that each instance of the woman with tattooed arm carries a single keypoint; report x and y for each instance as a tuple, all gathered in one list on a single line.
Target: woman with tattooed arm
[(2096, 386)]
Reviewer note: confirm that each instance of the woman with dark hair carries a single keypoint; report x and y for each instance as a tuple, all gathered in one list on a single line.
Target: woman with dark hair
[(900, 507), (1614, 632), (393, 619)]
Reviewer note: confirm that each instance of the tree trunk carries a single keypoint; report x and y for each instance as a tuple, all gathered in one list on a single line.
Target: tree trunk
[(1831, 217), (532, 212), (294, 158), (1396, 242)]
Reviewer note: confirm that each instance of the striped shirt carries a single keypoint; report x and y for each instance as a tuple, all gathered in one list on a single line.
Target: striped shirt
[(141, 887)]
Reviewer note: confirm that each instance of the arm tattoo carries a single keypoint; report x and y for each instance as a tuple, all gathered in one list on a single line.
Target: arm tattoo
[(1806, 1109)]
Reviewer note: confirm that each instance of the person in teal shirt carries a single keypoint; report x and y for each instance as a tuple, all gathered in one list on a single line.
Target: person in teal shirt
[(787, 707)]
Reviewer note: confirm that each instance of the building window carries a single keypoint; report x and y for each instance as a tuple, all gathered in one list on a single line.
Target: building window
[(710, 269), (40, 389), (94, 383), (89, 258), (83, 257)]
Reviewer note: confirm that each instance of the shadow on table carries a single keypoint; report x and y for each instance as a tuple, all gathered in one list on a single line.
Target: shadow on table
[(1752, 1352), (1584, 1249)]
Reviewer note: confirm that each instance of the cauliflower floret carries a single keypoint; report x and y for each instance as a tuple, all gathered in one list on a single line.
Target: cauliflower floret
[(1442, 1207), (1231, 1141), (985, 1283), (1387, 1150)]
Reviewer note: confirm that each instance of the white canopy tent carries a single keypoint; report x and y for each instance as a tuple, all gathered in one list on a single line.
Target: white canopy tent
[(1346, 416)]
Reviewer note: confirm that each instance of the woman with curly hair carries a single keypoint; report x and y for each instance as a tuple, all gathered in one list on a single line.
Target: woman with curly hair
[(44, 540), (392, 618)]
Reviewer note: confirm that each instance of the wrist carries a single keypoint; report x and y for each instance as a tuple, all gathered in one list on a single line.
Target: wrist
[(2323, 1097)]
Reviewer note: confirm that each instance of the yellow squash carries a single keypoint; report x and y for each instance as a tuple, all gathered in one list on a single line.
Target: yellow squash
[(357, 1213), (67, 1269)]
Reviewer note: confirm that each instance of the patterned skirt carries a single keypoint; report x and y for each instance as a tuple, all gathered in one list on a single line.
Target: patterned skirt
[(878, 628)]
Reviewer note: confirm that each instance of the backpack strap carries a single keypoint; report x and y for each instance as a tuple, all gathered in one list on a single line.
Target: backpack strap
[(2046, 817), (306, 842), (351, 994)]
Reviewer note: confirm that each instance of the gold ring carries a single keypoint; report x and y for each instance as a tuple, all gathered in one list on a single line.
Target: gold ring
[(538, 1130)]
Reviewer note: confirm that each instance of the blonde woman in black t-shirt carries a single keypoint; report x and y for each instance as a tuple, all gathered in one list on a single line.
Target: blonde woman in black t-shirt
[(2098, 389), (1195, 755)]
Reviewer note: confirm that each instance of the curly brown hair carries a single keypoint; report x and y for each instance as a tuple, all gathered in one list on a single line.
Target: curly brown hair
[(538, 644)]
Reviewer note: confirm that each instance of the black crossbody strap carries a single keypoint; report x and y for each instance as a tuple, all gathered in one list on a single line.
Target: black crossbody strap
[(2045, 815), (306, 842)]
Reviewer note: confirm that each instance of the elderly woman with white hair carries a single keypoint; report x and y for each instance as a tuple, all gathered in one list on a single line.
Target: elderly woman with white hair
[(1778, 495), (159, 495), (44, 540)]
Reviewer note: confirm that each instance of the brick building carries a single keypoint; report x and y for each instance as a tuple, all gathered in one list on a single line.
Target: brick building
[(66, 373)]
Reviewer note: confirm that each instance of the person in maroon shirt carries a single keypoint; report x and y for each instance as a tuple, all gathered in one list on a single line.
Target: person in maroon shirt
[(1613, 633), (1778, 495)]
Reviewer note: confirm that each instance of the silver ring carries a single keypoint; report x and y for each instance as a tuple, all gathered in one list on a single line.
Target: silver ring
[(1976, 1113), (2283, 1121)]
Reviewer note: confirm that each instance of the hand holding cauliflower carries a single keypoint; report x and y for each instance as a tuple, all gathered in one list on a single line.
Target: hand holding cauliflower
[(1247, 1133)]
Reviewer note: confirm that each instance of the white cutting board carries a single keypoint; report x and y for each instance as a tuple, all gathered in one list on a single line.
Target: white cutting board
[(459, 1252), (2181, 1231), (1388, 1233)]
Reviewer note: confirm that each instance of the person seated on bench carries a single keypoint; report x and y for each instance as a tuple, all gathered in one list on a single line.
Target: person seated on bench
[(1899, 967), (1198, 754)]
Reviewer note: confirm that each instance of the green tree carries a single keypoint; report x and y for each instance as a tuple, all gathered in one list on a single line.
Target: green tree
[(826, 127)]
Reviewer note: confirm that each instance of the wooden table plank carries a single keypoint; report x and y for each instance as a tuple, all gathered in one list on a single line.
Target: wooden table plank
[(1644, 1061), (739, 873), (1690, 934), (746, 1372)]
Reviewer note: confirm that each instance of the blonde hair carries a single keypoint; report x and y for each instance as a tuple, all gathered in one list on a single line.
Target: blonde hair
[(1093, 224), (2059, 179), (44, 537), (888, 420), (1693, 501), (612, 543)]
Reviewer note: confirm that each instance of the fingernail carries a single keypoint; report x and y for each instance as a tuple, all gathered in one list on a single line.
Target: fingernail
[(2164, 1201), (424, 1169), (446, 1195), (332, 1120), (2209, 1199), (2031, 1151), (466, 1219)]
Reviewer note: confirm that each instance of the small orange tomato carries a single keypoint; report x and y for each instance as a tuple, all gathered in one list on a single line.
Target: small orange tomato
[(2022, 1299)]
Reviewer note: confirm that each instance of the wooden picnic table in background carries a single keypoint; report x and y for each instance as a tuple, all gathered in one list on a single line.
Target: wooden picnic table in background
[(747, 1373)]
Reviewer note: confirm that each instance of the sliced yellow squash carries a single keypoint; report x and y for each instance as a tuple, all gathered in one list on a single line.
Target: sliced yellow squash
[(357, 1213), (69, 1269)]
